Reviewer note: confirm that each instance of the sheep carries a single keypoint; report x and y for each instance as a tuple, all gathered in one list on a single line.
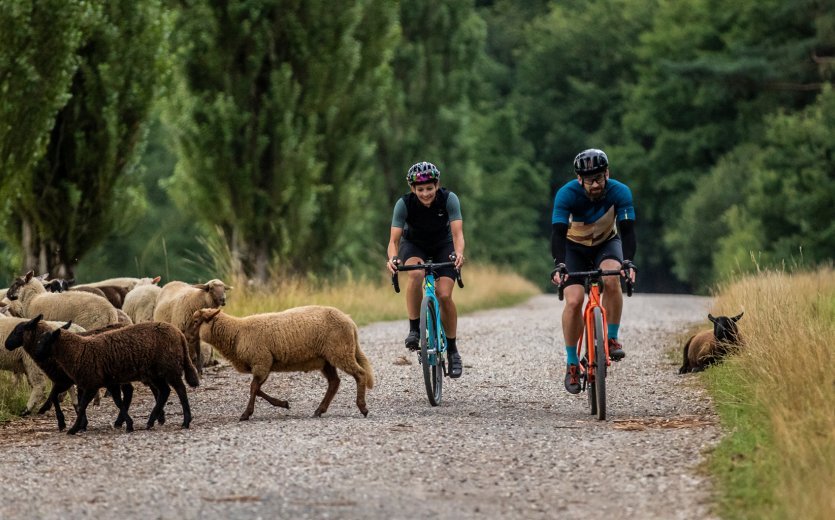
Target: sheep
[(87, 310), (154, 353), (178, 301), (709, 347), (125, 282), (301, 339), (140, 302), (25, 334), (18, 362)]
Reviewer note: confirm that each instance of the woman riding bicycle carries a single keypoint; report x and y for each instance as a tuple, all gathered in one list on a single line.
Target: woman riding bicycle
[(426, 224), (585, 236)]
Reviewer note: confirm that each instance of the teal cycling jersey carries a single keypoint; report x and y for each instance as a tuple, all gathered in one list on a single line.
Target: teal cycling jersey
[(592, 222)]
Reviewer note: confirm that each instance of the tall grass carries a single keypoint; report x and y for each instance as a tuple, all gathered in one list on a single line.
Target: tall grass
[(13, 396), (777, 398), (368, 300)]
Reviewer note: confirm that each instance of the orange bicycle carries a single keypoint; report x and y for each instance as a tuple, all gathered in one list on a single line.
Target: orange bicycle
[(594, 362)]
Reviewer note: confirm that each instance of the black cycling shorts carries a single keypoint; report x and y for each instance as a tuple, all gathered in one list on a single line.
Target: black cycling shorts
[(587, 258), (438, 253)]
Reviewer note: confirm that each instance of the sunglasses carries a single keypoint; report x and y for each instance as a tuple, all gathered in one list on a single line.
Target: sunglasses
[(597, 179)]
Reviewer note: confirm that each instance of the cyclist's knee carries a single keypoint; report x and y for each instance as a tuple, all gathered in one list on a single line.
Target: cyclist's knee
[(444, 297), (611, 284)]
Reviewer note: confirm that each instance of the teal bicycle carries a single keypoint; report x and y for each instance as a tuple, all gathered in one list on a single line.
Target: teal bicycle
[(433, 343)]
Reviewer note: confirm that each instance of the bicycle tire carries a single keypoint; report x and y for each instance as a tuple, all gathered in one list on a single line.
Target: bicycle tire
[(600, 362), (433, 376), (591, 393)]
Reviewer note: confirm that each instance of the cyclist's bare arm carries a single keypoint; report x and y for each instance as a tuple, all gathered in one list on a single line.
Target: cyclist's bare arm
[(394, 246), (457, 229)]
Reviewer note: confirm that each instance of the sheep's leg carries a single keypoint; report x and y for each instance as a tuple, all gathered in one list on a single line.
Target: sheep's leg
[(162, 397), (180, 388), (272, 400), (122, 395), (333, 385), (161, 414), (87, 395), (254, 389), (355, 369), (55, 399)]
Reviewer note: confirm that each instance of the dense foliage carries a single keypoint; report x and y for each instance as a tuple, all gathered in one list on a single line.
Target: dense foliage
[(287, 128)]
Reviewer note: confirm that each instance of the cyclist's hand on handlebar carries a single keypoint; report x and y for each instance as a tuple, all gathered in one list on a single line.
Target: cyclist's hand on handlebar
[(628, 270), (392, 264), (559, 275), (458, 258)]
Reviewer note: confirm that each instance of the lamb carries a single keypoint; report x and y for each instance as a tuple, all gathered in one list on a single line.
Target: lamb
[(301, 339), (125, 282), (709, 347), (178, 301), (154, 353), (25, 334), (18, 362), (87, 310)]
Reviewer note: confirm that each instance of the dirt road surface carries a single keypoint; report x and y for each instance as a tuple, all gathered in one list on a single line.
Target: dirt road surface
[(507, 441)]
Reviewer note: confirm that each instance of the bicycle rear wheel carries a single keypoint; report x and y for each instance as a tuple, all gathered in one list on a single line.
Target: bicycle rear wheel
[(600, 365), (430, 359)]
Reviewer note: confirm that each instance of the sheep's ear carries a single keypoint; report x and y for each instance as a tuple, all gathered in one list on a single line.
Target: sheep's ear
[(67, 325), (28, 276), (33, 322), (227, 287), (201, 286), (213, 314), (156, 280), (711, 318), (736, 318)]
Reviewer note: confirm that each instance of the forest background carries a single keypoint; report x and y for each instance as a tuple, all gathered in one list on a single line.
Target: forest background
[(267, 137)]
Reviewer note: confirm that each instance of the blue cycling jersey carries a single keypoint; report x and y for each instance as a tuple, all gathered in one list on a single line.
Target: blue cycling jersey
[(592, 222)]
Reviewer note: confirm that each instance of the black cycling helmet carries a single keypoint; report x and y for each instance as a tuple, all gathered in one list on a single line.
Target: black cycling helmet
[(423, 172), (591, 161)]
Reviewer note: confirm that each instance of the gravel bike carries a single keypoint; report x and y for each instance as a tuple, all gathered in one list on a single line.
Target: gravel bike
[(593, 347), (433, 344)]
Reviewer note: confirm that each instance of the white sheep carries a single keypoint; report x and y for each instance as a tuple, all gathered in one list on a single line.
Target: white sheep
[(141, 301), (178, 300), (301, 339), (87, 310), (126, 282), (19, 362)]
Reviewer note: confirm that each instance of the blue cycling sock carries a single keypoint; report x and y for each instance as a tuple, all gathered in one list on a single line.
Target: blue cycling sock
[(612, 330), (571, 355)]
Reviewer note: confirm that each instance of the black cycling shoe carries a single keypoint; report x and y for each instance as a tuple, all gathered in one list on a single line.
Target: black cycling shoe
[(572, 379), (456, 367), (413, 340), (616, 352)]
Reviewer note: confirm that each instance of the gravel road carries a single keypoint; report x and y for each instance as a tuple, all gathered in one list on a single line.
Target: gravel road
[(507, 441)]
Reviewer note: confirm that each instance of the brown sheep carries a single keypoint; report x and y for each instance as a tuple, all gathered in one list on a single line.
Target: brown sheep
[(300, 339), (153, 353), (709, 347), (178, 300)]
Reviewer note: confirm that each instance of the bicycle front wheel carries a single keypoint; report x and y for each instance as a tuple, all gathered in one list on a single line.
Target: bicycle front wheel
[(600, 364), (430, 357)]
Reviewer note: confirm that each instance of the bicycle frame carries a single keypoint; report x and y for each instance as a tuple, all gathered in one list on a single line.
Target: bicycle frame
[(594, 301)]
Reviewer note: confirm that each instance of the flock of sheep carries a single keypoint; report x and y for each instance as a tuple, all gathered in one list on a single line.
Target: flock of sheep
[(113, 333)]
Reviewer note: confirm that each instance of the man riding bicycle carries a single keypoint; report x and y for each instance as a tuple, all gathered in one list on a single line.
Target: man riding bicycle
[(593, 227), (426, 224)]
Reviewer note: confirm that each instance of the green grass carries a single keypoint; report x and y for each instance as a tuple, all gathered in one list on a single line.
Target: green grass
[(13, 397)]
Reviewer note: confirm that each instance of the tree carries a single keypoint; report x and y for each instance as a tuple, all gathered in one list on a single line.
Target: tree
[(272, 120), (38, 43), (83, 187)]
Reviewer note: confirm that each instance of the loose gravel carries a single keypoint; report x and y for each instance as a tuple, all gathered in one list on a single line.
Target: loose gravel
[(506, 442)]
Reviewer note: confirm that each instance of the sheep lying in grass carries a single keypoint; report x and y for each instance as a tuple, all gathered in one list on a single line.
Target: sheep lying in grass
[(178, 301), (300, 339), (126, 282), (87, 310), (709, 347), (25, 334), (153, 353)]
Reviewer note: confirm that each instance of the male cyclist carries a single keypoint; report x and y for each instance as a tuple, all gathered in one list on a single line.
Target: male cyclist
[(426, 224), (585, 237)]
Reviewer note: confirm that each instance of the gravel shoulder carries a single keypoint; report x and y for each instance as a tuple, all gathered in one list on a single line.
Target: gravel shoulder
[(507, 441)]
